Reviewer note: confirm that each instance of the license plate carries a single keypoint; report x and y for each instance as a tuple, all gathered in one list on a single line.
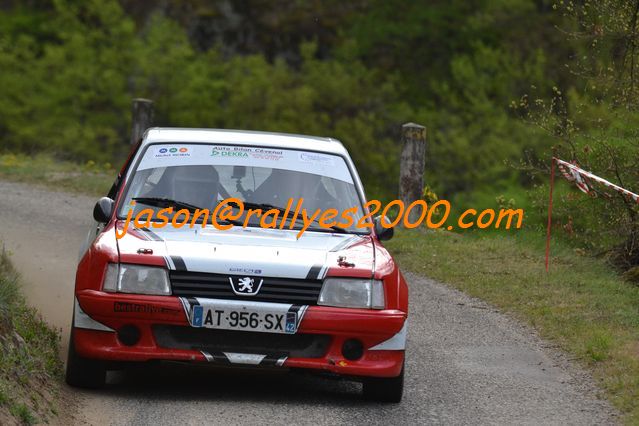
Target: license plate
[(247, 316)]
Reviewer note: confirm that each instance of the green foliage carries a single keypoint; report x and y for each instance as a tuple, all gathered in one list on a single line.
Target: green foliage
[(594, 122), (473, 140), (70, 95), (352, 71), (461, 63), (72, 68)]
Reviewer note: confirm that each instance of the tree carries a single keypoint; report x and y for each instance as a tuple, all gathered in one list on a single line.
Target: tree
[(595, 123)]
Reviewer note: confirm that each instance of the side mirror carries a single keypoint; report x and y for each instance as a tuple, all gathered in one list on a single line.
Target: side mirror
[(382, 233), (103, 210)]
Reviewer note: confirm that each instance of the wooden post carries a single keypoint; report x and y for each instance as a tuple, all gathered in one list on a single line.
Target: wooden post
[(142, 118), (411, 169)]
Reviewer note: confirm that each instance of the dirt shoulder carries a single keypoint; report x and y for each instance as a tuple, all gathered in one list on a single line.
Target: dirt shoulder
[(31, 390)]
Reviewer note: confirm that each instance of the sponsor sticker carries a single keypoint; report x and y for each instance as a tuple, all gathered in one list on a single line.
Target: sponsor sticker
[(267, 154), (168, 155), (172, 152), (230, 151), (246, 271), (312, 157), (141, 308), (291, 322)]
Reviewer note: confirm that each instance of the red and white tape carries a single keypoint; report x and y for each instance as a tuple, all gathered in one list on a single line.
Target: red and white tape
[(583, 178)]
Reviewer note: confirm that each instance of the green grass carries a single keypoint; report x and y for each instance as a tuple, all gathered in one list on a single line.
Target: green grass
[(581, 304), (30, 369), (23, 413), (88, 178)]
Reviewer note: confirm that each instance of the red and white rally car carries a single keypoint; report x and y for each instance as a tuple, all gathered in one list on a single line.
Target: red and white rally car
[(331, 301)]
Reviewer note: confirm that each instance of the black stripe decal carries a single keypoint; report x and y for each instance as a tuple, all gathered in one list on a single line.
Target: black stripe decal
[(179, 263), (313, 274), (268, 362), (295, 308), (299, 311), (221, 358), (216, 357), (271, 360)]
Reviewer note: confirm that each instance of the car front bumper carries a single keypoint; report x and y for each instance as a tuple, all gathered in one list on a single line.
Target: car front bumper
[(110, 318)]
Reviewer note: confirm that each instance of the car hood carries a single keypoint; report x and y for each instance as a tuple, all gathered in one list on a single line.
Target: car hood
[(251, 251)]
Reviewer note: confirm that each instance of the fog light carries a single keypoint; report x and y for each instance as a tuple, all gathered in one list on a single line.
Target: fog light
[(352, 349), (129, 335)]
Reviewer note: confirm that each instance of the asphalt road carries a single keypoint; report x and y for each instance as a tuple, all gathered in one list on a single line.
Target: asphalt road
[(467, 363)]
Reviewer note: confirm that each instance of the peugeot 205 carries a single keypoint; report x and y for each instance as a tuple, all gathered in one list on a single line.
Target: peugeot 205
[(329, 300)]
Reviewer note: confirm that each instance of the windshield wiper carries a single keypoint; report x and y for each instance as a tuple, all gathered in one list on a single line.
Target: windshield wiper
[(266, 206), (261, 206), (334, 228), (166, 202)]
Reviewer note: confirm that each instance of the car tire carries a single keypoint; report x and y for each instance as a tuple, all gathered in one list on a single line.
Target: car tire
[(383, 389), (83, 372)]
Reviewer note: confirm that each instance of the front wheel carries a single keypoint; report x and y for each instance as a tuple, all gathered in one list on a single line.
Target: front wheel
[(384, 389), (83, 372)]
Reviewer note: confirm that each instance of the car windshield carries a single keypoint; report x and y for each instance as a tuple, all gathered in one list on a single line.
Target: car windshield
[(202, 175)]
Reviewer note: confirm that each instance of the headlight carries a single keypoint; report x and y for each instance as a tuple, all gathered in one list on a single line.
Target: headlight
[(352, 293), (137, 279)]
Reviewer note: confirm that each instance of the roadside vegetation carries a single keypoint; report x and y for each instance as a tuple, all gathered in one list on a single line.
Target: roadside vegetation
[(582, 304), (30, 367), (43, 169)]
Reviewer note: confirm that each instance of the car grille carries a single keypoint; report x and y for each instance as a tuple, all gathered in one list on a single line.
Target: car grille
[(210, 340), (217, 286)]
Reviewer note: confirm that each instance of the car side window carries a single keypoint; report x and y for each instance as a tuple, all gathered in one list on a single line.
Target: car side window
[(113, 191)]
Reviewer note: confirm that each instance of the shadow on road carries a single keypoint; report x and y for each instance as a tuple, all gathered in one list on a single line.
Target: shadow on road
[(177, 382)]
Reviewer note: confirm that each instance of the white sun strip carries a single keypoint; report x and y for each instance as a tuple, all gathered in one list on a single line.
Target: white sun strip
[(175, 154), (596, 178)]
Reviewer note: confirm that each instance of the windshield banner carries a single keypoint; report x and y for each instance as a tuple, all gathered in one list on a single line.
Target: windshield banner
[(166, 155)]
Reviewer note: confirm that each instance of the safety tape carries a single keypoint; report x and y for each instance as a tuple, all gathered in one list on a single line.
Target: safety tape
[(583, 178)]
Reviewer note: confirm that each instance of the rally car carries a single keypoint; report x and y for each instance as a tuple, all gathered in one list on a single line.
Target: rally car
[(155, 282)]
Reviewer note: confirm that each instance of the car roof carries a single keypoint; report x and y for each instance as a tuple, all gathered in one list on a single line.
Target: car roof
[(244, 137)]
